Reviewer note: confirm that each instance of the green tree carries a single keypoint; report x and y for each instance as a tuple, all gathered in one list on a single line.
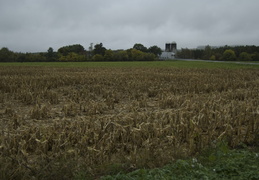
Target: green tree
[(6, 55), (136, 55), (140, 47), (50, 54), (148, 57), (76, 48), (229, 55), (155, 50), (35, 57), (255, 56), (109, 55), (21, 57), (50, 51), (197, 53), (185, 53), (98, 57), (244, 56), (207, 52), (72, 57), (121, 56), (62, 58), (99, 49)]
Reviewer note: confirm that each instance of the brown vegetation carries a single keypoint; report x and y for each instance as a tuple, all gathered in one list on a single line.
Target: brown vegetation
[(56, 122)]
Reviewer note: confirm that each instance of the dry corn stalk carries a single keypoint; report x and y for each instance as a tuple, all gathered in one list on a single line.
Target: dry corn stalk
[(139, 116)]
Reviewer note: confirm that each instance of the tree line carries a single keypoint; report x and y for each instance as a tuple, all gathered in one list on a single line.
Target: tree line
[(77, 52), (138, 52), (226, 53)]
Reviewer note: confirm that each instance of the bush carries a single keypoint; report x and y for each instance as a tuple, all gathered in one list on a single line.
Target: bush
[(72, 57), (229, 55), (244, 56), (213, 57)]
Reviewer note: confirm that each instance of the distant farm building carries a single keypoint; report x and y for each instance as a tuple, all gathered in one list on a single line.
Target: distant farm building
[(170, 51)]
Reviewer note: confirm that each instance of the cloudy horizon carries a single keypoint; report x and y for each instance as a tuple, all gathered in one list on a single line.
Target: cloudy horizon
[(36, 25)]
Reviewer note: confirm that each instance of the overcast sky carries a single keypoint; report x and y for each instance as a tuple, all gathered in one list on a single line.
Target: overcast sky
[(36, 25)]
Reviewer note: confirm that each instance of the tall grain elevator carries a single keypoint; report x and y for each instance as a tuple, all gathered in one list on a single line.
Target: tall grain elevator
[(171, 47), (170, 51)]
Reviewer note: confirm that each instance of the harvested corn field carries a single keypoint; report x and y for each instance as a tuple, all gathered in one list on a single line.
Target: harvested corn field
[(57, 122)]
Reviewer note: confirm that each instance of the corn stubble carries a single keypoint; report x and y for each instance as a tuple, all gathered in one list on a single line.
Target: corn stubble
[(58, 121)]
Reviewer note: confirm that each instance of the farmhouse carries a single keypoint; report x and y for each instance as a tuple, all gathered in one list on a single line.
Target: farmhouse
[(170, 51)]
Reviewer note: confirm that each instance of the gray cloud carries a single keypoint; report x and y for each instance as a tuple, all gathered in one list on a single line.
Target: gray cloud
[(36, 25)]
